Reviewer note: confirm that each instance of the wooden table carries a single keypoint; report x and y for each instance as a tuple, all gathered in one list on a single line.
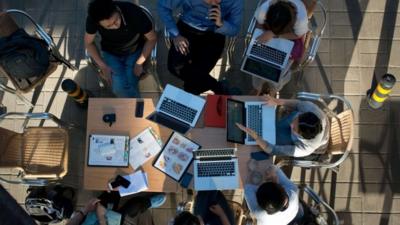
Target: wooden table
[(96, 178)]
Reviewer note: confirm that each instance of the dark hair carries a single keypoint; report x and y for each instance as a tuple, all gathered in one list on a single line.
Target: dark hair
[(309, 125), (279, 17), (186, 218), (99, 10), (271, 197)]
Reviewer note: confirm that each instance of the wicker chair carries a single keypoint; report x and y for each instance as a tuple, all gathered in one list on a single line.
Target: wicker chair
[(341, 134), (39, 154)]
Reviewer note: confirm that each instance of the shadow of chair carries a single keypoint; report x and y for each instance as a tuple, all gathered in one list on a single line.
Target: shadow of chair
[(9, 26), (38, 154), (312, 42), (341, 117), (150, 64)]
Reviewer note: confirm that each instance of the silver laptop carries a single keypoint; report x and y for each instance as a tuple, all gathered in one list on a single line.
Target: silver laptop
[(255, 115), (216, 169), (177, 109), (270, 60)]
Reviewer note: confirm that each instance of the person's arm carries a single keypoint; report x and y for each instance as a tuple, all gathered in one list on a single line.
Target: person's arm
[(217, 210), (288, 103), (101, 214), (151, 40), (165, 11), (79, 215), (230, 25), (94, 53)]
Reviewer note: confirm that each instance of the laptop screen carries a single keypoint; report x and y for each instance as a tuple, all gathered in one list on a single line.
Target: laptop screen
[(235, 114), (262, 69)]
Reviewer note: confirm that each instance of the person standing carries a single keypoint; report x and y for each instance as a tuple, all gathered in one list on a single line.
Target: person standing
[(127, 38), (198, 39)]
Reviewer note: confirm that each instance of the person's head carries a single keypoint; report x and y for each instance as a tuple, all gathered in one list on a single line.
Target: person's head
[(105, 13), (307, 125), (186, 218), (280, 17), (272, 197)]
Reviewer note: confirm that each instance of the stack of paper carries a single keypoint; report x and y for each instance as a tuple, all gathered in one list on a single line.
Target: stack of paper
[(138, 183)]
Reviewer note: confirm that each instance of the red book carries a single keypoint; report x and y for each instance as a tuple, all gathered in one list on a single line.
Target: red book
[(215, 111)]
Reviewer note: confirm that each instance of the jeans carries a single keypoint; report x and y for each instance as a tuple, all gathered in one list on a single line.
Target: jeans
[(124, 82), (204, 199), (205, 48)]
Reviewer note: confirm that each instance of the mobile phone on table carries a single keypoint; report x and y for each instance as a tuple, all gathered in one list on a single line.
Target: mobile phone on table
[(119, 181), (187, 177), (139, 108)]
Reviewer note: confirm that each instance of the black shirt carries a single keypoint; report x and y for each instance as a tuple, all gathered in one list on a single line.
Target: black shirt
[(129, 36)]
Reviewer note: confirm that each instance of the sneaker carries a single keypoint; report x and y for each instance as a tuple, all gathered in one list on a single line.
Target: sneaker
[(157, 200)]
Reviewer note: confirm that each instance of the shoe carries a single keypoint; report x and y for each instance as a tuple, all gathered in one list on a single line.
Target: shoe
[(157, 200)]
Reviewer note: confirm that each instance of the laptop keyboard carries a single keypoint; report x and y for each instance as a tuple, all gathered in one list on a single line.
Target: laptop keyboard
[(268, 53), (221, 152), (215, 169), (177, 109), (254, 120)]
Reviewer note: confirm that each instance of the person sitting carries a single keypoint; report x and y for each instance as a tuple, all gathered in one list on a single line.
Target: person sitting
[(198, 39), (275, 201), (127, 39), (304, 130), (133, 212), (283, 19), (210, 208)]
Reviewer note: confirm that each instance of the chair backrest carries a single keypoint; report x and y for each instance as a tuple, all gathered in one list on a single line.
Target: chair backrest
[(11, 149), (341, 133)]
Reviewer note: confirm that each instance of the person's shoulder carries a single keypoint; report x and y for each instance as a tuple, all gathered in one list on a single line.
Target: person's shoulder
[(301, 8), (127, 6)]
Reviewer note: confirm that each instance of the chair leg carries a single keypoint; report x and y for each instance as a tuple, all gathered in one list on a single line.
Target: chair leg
[(17, 93)]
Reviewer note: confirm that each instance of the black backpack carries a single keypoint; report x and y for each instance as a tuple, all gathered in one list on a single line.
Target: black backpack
[(49, 204), (23, 56)]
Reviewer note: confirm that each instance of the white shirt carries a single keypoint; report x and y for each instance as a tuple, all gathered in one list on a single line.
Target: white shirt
[(301, 25), (278, 218)]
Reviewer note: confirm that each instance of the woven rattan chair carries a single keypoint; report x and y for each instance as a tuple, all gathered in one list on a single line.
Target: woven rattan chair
[(38, 154), (341, 133), (8, 26)]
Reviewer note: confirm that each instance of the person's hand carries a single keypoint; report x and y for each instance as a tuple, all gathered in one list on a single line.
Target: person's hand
[(265, 37), (105, 73), (217, 210), (138, 70), (247, 130), (271, 100), (214, 14), (90, 206), (181, 44)]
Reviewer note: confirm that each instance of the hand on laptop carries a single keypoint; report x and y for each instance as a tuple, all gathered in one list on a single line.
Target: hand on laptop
[(271, 100), (263, 144), (265, 36)]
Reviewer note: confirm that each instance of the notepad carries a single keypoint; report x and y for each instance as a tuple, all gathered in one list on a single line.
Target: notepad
[(138, 181), (143, 147)]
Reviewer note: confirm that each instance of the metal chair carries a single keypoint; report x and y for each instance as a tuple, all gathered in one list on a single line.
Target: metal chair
[(311, 43), (25, 85), (150, 65), (313, 210), (38, 154), (341, 133)]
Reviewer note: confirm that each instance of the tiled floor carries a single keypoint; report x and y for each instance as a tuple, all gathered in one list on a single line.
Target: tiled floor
[(362, 39)]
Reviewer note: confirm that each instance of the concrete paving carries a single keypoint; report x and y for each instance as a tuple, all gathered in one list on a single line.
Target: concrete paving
[(362, 39)]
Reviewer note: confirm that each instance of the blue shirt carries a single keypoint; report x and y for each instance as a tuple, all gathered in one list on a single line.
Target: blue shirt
[(195, 14)]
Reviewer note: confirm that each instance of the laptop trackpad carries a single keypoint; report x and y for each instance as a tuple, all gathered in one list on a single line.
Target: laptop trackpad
[(169, 122)]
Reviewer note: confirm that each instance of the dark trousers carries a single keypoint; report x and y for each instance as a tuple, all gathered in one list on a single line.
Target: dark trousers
[(205, 48), (204, 199)]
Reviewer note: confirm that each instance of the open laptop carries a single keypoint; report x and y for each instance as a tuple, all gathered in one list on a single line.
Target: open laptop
[(216, 169), (270, 60), (177, 109), (255, 115)]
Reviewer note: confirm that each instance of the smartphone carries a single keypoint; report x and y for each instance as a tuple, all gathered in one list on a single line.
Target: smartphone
[(119, 181), (139, 108), (259, 156), (186, 180)]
